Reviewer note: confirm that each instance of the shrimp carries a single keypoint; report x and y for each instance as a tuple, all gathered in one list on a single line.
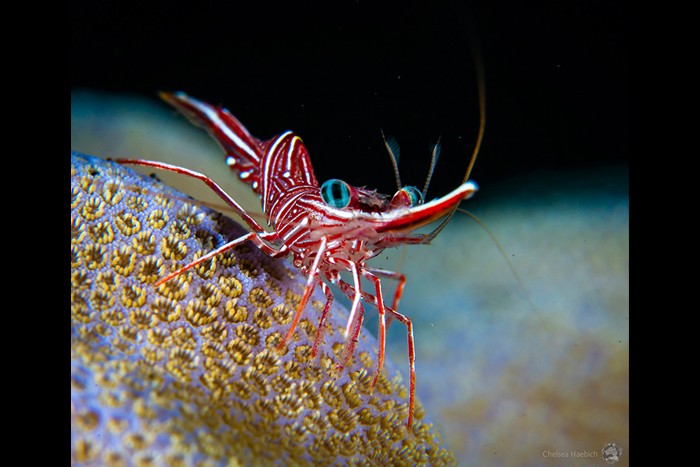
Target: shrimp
[(327, 228)]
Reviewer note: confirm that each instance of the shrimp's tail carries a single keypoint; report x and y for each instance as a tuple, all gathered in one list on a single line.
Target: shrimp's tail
[(244, 152)]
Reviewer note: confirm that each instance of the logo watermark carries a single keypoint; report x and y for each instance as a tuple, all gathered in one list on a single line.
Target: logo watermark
[(611, 453)]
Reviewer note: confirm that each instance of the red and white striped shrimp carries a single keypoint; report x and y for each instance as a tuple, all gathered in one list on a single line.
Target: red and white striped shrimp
[(327, 229)]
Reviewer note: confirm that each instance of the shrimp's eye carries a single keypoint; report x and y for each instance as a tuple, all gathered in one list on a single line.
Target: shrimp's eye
[(407, 197), (336, 193)]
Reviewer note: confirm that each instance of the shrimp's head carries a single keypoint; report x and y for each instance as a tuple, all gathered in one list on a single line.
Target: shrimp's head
[(396, 215)]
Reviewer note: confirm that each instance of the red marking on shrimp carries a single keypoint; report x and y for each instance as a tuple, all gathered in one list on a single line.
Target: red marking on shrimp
[(327, 229)]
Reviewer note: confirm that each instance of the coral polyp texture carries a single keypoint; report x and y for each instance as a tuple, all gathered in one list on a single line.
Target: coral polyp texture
[(188, 373)]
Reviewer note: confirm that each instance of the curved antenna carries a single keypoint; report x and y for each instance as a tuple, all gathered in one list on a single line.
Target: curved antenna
[(427, 238), (514, 271), (392, 146), (481, 84), (433, 161)]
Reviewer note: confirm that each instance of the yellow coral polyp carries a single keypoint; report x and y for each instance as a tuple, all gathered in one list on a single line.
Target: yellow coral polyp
[(200, 313), (127, 224), (259, 298)]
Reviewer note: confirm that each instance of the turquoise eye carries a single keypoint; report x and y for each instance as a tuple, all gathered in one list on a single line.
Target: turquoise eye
[(407, 197), (336, 193), (414, 195)]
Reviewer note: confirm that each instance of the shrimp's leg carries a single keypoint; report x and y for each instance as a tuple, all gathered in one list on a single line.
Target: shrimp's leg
[(411, 361), (405, 320), (349, 349), (381, 336), (354, 323), (252, 236), (397, 276), (308, 290), (356, 296), (401, 279), (208, 181), (322, 322)]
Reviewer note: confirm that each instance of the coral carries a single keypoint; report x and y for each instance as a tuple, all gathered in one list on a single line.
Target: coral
[(188, 373)]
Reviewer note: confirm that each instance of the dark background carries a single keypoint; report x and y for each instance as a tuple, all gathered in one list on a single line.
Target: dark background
[(337, 72)]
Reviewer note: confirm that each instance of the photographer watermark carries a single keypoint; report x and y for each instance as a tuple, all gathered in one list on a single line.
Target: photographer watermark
[(556, 454), (610, 453)]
